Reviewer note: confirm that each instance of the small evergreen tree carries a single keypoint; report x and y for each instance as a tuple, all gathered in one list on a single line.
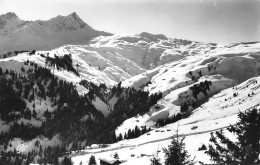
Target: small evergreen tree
[(66, 161), (34, 114), (92, 160), (22, 69), (176, 154), (120, 137)]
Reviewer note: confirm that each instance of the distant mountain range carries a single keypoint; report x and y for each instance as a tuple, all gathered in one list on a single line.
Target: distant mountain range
[(17, 34)]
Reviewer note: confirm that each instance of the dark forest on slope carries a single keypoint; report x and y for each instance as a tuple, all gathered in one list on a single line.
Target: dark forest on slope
[(18, 90)]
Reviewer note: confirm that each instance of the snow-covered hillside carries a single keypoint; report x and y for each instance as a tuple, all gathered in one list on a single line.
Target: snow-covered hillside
[(219, 112), (150, 50), (228, 66), (116, 58), (92, 65), (233, 71), (17, 34)]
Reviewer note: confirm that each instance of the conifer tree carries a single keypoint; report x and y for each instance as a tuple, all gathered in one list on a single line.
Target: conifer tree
[(92, 160), (66, 161), (243, 152), (176, 154), (34, 114)]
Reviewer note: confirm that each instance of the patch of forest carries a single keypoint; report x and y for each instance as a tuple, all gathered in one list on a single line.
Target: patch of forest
[(18, 91)]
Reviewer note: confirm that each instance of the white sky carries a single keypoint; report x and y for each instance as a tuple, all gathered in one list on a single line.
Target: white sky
[(219, 21)]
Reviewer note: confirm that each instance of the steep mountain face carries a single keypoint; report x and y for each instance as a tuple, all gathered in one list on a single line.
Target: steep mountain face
[(17, 34)]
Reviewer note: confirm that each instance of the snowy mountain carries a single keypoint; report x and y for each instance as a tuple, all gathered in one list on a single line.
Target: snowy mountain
[(227, 67), (217, 113), (233, 71), (99, 89), (149, 50), (110, 59), (17, 34)]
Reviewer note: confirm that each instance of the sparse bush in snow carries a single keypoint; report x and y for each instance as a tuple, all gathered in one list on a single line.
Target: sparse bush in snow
[(155, 160), (116, 155), (235, 94), (203, 147)]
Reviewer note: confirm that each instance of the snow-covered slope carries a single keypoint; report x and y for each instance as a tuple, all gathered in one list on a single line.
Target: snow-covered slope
[(219, 112), (227, 75), (93, 66), (226, 67), (17, 34), (150, 50), (116, 58), (233, 71)]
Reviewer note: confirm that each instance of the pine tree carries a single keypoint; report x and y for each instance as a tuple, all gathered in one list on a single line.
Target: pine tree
[(34, 114), (66, 161), (17, 161), (92, 160), (120, 137), (176, 154), (27, 160), (244, 152), (22, 69)]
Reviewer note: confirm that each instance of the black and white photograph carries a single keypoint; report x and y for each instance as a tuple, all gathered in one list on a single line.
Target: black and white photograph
[(129, 82)]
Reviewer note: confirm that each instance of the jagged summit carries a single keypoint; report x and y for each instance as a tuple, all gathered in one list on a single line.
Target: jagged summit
[(17, 34), (74, 15), (70, 22), (8, 16)]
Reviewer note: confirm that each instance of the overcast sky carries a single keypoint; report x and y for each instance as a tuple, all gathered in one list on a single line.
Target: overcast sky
[(220, 21)]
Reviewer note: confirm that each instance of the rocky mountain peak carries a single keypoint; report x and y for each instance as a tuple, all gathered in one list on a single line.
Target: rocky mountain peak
[(8, 16), (75, 17), (70, 22)]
